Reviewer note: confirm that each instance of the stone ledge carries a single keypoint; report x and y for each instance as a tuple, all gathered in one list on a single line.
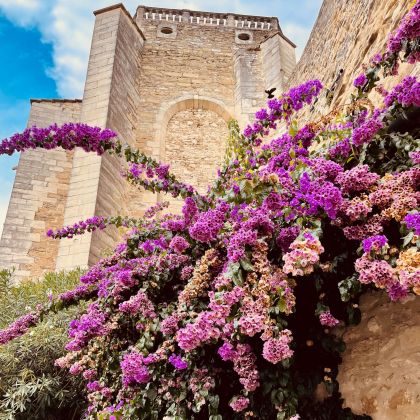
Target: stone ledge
[(38, 100), (204, 13), (281, 35)]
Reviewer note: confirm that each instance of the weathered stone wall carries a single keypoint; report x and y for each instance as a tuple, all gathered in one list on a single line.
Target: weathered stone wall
[(380, 373), (346, 35), (279, 60), (115, 196), (38, 197), (203, 132)]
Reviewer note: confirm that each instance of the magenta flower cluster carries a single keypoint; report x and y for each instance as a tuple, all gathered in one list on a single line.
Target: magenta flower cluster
[(328, 320), (282, 108), (408, 30), (224, 275), (208, 224), (67, 136), (360, 81), (134, 369), (89, 325), (18, 327), (79, 228), (366, 131), (177, 362), (412, 221), (156, 177), (179, 244), (138, 304), (374, 243), (406, 93)]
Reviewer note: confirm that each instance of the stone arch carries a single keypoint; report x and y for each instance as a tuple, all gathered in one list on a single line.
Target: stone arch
[(183, 103), (192, 138)]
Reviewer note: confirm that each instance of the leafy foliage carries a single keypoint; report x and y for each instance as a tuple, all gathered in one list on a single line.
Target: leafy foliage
[(30, 385)]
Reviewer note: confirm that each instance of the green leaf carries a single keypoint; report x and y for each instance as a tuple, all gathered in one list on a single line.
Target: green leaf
[(246, 264), (408, 238)]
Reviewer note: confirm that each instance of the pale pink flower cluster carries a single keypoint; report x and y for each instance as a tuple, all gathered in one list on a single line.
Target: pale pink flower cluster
[(277, 349), (378, 272), (303, 257), (374, 226), (138, 304), (209, 324), (328, 320), (356, 208), (254, 315), (65, 361), (239, 403), (243, 364), (75, 368)]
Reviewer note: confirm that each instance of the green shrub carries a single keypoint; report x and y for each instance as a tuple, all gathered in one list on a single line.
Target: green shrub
[(31, 387)]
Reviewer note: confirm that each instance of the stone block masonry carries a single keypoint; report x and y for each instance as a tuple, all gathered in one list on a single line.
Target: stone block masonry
[(346, 35), (167, 81), (38, 197), (380, 373)]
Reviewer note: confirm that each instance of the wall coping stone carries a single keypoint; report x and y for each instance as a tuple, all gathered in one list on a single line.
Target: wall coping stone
[(125, 11)]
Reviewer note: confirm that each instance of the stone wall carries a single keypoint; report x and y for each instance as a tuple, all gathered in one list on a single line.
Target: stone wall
[(38, 197), (278, 60), (346, 34), (380, 373), (115, 196), (196, 66), (195, 143)]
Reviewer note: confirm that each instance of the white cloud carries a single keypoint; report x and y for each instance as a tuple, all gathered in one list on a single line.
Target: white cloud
[(23, 12), (68, 25)]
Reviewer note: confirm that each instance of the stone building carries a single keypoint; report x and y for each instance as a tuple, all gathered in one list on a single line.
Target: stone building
[(166, 81)]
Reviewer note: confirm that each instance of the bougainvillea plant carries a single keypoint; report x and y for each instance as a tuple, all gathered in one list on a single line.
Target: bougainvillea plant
[(226, 310)]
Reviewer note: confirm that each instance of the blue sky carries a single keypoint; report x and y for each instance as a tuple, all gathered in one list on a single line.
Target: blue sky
[(45, 46)]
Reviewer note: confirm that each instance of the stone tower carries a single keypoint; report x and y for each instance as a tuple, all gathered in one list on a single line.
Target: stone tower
[(166, 81)]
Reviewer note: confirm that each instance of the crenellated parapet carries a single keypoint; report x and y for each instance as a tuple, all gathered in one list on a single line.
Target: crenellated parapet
[(207, 18)]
